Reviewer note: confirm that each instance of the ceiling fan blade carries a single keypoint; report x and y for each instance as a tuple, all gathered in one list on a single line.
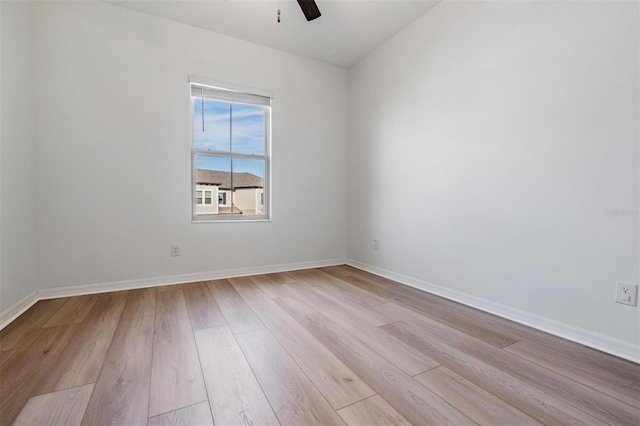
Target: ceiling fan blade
[(310, 9)]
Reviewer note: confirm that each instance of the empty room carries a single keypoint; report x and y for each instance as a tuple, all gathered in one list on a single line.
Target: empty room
[(329, 212)]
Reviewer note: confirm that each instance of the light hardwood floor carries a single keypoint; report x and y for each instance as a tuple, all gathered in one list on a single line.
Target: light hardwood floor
[(324, 346)]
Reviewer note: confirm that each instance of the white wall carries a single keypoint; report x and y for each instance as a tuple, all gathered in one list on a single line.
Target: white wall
[(113, 120), (17, 189), (486, 141)]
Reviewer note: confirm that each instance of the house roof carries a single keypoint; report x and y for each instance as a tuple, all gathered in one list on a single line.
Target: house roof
[(223, 179)]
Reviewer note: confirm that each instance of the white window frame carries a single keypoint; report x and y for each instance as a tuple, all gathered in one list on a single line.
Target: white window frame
[(232, 89)]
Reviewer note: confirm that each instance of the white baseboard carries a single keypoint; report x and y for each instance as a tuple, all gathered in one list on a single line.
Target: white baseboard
[(78, 290), (53, 293), (14, 311), (585, 337)]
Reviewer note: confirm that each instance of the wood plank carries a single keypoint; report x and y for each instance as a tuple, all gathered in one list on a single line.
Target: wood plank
[(455, 315), (237, 314), (360, 295), (379, 280), (22, 372), (141, 303), (242, 283), (414, 402), (293, 397), (309, 276), (476, 403), (490, 328), (371, 285), (364, 311), (121, 394), (584, 356), (590, 401), (73, 311), (381, 284), (347, 291), (537, 404), (169, 287), (65, 407), (197, 414), (301, 277), (5, 355), (626, 389), (176, 378), (397, 352), (203, 309), (240, 400), (511, 331), (22, 328), (269, 286), (80, 362), (372, 411), (281, 278), (339, 385), (336, 270)]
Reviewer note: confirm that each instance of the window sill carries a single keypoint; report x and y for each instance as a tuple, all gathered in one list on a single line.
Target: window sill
[(215, 219)]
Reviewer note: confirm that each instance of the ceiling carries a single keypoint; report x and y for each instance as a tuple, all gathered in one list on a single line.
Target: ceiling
[(346, 32)]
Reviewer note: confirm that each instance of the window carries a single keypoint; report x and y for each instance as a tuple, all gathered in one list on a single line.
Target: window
[(207, 197), (230, 154)]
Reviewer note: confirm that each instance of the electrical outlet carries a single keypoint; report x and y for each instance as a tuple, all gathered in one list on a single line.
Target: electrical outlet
[(376, 245), (175, 250), (626, 293)]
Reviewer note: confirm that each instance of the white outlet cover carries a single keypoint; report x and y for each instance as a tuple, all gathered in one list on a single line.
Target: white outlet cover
[(626, 293)]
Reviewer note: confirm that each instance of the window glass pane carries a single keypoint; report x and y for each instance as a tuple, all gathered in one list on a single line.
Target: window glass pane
[(247, 134), (248, 185), (213, 162), (217, 125), (213, 173)]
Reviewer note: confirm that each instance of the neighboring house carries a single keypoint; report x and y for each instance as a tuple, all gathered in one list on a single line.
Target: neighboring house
[(213, 193)]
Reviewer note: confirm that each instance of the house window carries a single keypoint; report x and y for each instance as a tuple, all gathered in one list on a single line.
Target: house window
[(231, 132), (207, 197)]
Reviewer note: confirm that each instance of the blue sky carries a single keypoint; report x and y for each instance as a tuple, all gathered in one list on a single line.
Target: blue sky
[(247, 134)]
